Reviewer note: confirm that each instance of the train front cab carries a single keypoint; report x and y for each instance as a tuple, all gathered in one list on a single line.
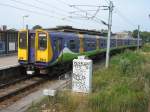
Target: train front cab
[(26, 49), (43, 52)]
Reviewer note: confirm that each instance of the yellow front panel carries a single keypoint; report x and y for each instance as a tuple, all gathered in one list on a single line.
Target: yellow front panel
[(81, 43), (43, 55), (23, 53), (97, 42)]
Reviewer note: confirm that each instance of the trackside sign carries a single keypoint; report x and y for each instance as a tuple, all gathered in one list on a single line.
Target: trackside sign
[(49, 92), (82, 75)]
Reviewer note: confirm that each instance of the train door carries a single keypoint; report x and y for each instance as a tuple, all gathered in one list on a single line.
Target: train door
[(23, 46), (31, 48), (57, 46)]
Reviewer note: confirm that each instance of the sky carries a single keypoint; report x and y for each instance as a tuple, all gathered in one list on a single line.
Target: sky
[(127, 14)]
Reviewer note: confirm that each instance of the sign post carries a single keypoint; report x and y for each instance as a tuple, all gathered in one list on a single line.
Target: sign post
[(82, 75), (51, 95)]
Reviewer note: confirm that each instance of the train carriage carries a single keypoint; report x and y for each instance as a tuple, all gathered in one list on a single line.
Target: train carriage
[(103, 43), (42, 49)]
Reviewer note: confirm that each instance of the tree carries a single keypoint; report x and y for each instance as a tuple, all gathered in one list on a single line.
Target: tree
[(37, 27), (135, 33), (144, 35)]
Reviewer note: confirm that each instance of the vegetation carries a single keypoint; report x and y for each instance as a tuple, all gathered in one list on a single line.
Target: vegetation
[(37, 27), (143, 34), (123, 87), (146, 47)]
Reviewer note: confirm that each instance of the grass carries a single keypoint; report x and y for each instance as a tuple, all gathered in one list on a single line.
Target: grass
[(146, 47), (64, 101), (123, 87)]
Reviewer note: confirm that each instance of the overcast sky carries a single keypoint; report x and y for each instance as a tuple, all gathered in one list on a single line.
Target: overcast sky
[(127, 14)]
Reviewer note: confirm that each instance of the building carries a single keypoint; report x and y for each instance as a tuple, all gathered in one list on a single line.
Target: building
[(123, 35)]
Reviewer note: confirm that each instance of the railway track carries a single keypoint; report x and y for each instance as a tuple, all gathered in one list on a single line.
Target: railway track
[(13, 89), (4, 85), (20, 87)]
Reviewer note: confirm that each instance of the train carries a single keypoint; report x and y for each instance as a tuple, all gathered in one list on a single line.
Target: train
[(8, 42), (40, 50)]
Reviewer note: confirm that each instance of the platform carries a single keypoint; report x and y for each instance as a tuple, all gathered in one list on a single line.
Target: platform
[(8, 62)]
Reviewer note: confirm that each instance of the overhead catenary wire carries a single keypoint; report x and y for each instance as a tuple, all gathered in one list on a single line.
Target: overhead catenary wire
[(119, 13), (34, 6), (45, 10), (97, 20), (107, 1), (73, 12), (50, 5), (31, 11), (47, 4), (124, 18), (27, 10), (87, 5), (96, 12), (92, 17), (62, 2)]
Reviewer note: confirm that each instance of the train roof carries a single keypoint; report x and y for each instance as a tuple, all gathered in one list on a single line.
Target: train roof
[(87, 35), (75, 30), (72, 33)]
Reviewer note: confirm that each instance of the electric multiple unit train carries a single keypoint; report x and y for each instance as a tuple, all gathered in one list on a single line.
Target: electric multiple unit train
[(38, 50)]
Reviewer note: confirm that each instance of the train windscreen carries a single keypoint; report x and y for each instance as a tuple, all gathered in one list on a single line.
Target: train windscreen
[(42, 41), (23, 40)]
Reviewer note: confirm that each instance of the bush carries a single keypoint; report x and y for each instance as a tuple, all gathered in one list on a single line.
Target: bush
[(146, 47), (129, 63), (124, 86)]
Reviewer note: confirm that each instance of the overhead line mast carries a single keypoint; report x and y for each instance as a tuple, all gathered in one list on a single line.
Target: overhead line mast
[(138, 40), (109, 33), (110, 8)]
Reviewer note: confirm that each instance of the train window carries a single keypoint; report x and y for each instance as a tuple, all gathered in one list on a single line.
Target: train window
[(57, 45), (1, 46), (23, 40), (88, 45), (93, 45), (72, 44), (42, 43)]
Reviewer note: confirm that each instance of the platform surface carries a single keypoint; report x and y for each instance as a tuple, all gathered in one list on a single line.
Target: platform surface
[(8, 62)]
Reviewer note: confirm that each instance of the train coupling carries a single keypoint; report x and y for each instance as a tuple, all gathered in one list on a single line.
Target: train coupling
[(30, 70), (43, 71)]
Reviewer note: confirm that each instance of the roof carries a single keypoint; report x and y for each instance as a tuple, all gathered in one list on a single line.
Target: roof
[(75, 30)]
